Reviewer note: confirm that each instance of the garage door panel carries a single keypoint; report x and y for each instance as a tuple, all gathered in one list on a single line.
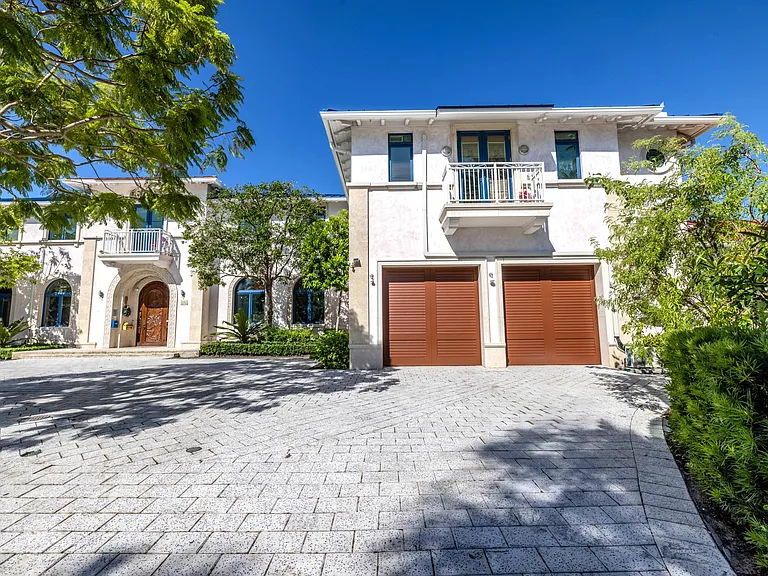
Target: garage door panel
[(524, 316), (431, 317), (550, 314)]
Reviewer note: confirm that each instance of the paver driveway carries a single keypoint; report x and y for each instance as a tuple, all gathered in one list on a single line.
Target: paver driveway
[(135, 466)]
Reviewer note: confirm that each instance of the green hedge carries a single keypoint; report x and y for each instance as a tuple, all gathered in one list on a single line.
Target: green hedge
[(266, 348), (332, 349), (719, 398), (7, 353)]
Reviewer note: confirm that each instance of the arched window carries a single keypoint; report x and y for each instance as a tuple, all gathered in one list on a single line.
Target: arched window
[(308, 305), (5, 306), (57, 304), (249, 296)]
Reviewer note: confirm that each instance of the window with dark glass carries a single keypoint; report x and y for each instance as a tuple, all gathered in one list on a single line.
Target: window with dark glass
[(68, 232), (308, 305), (9, 235), (57, 303), (148, 218), (249, 296), (567, 154), (5, 305), (401, 157)]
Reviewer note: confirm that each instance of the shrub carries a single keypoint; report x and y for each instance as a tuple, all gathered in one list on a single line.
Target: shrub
[(332, 349), (298, 336), (241, 330), (263, 348), (719, 420), (9, 333), (7, 353)]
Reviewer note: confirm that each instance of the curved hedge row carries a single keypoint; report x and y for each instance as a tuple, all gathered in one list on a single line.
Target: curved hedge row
[(719, 420)]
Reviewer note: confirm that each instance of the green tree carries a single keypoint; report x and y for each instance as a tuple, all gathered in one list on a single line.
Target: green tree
[(16, 265), (324, 256), (142, 86), (671, 240), (254, 231)]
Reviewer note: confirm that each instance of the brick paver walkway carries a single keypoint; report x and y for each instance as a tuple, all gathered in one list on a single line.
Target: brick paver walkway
[(142, 466)]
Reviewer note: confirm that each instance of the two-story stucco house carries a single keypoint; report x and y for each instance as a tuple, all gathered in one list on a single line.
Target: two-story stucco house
[(119, 287), (471, 228)]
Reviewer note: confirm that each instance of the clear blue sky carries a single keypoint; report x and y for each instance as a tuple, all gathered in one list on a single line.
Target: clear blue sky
[(298, 57)]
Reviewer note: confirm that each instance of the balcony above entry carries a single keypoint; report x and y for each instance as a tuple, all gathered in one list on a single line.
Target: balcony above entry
[(494, 195)]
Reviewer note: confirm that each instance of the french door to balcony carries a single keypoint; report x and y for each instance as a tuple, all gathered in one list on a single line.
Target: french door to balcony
[(146, 237), (484, 180)]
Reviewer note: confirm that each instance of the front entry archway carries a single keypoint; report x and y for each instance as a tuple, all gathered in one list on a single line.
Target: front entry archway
[(153, 315)]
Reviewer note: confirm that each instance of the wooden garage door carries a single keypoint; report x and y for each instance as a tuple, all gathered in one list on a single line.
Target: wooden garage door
[(550, 315), (431, 317)]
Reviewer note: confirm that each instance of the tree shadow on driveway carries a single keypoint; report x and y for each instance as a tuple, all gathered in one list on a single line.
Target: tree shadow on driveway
[(116, 403)]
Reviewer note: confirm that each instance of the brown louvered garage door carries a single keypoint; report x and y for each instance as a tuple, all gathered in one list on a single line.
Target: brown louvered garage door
[(431, 317), (550, 315)]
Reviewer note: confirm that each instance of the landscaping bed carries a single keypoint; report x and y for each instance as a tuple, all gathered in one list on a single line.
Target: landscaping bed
[(7, 353), (330, 348)]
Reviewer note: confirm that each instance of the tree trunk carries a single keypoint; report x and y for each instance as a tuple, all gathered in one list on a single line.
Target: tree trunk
[(269, 314), (338, 308)]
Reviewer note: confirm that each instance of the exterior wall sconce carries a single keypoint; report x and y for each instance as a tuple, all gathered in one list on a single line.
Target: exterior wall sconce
[(101, 294), (355, 263), (523, 149), (183, 294), (446, 151)]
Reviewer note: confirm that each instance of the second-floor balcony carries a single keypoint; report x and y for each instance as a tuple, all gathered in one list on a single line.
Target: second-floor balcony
[(138, 246), (495, 194)]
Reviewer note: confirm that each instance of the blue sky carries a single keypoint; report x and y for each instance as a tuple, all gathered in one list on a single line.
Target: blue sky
[(298, 57)]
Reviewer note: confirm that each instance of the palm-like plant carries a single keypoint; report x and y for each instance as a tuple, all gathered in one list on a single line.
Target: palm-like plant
[(242, 330), (8, 333)]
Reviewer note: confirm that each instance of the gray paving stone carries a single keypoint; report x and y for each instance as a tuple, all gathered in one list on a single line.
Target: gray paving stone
[(130, 542), (428, 539), (296, 565), (346, 564), (133, 564), (306, 522), (516, 560), (378, 540), (187, 565), (179, 543), (80, 564), (355, 521), (572, 559), (399, 563), (28, 564), (460, 562), (279, 542), (622, 558), (31, 542), (487, 537), (328, 542), (242, 565), (257, 522), (229, 543)]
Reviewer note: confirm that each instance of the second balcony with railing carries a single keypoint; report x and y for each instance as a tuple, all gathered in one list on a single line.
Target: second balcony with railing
[(494, 194), (139, 246)]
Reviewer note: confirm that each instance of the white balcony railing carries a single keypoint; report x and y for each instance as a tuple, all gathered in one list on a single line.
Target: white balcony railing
[(495, 182), (147, 241)]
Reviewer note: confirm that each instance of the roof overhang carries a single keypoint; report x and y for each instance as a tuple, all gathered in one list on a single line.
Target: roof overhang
[(339, 123), (85, 183)]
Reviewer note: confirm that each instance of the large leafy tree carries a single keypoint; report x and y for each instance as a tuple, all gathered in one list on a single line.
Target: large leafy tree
[(253, 231), (142, 86), (16, 265), (685, 250), (324, 256)]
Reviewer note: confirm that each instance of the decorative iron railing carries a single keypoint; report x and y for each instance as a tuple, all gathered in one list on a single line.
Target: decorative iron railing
[(495, 182), (139, 241)]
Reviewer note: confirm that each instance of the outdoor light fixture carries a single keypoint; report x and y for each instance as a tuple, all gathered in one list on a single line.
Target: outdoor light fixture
[(446, 151), (101, 294), (524, 149), (356, 263), (183, 294)]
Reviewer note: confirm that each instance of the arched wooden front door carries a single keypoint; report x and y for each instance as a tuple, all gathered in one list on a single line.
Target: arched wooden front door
[(153, 315)]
